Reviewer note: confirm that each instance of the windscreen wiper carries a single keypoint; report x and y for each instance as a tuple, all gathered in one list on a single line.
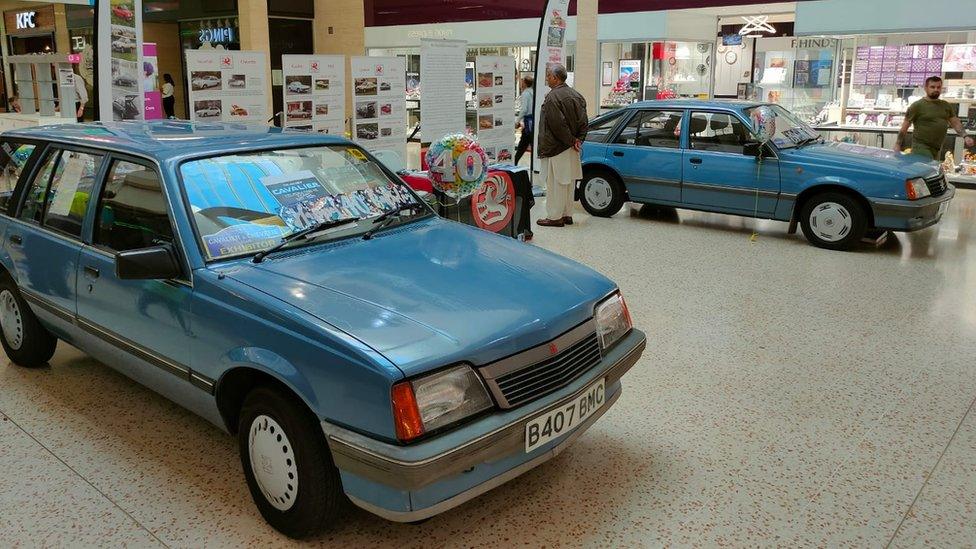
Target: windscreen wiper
[(384, 219), (304, 233)]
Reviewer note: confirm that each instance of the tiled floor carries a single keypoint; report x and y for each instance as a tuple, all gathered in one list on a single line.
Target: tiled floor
[(789, 396)]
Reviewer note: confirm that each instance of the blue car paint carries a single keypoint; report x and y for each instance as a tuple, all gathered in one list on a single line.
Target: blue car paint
[(338, 323), (870, 172)]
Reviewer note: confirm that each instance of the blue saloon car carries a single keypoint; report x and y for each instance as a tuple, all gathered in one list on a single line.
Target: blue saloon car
[(703, 155), (291, 290)]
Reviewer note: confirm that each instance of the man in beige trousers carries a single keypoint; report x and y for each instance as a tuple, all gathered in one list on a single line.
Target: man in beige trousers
[(562, 128)]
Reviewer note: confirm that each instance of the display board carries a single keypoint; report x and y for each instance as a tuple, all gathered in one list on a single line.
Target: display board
[(314, 93), (150, 83), (379, 106), (442, 107), (551, 51), (897, 65), (121, 88), (960, 58), (227, 86), (496, 106)]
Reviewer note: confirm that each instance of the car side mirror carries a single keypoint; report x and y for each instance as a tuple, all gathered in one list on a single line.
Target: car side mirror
[(155, 263), (753, 148)]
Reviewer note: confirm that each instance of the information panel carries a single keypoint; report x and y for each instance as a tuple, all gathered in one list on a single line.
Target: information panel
[(121, 49), (379, 106), (552, 51), (227, 86), (442, 106), (314, 93), (496, 105)]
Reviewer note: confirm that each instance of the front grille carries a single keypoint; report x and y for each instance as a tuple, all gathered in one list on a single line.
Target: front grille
[(540, 379), (936, 185)]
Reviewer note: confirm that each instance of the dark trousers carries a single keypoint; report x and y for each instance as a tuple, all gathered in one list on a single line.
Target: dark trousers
[(169, 103), (77, 108), (523, 144)]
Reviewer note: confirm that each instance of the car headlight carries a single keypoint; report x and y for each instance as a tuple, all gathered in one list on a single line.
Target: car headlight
[(428, 403), (612, 320), (916, 188)]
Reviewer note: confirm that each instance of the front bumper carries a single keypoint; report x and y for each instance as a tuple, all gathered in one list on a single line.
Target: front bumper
[(462, 464), (910, 215)]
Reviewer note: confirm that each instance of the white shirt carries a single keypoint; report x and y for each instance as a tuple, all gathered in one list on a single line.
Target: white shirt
[(167, 89), (526, 104), (81, 93)]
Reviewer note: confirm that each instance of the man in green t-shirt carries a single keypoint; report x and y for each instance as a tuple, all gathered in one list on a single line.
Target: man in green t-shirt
[(931, 117)]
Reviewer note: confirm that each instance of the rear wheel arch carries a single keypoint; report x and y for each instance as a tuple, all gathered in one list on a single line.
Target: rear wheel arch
[(814, 190)]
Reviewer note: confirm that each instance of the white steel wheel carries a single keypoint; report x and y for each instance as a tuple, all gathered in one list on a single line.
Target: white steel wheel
[(273, 462), (11, 320), (831, 221), (598, 193)]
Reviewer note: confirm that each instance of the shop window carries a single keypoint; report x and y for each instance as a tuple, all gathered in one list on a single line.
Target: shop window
[(652, 129), (132, 211), (70, 189), (34, 202), (13, 157), (600, 128), (719, 132)]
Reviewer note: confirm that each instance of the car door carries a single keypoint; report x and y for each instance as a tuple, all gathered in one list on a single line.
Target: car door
[(45, 241), (646, 152), (716, 175), (146, 318)]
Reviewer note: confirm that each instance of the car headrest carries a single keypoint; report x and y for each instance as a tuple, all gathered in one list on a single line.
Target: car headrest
[(698, 124), (718, 123)]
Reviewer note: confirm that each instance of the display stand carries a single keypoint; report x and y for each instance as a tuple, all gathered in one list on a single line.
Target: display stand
[(36, 77)]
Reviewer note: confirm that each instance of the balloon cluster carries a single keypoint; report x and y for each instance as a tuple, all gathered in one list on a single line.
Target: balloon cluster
[(457, 165), (763, 123)]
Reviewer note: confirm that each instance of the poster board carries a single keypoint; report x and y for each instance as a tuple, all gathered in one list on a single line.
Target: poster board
[(314, 93), (496, 106), (959, 58), (551, 51), (379, 114), (227, 86), (121, 88), (442, 106), (150, 83)]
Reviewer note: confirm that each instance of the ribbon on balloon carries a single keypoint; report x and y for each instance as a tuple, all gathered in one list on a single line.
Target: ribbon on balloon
[(763, 129)]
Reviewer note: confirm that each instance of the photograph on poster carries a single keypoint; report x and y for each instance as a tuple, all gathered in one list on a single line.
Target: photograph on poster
[(123, 42), (322, 109), (485, 100), (123, 12), (384, 86), (365, 86), (238, 81), (367, 131), (386, 132), (238, 111), (208, 108), (321, 84), (499, 80), (366, 110), (486, 121), (555, 37), (298, 85), (486, 79), (386, 109), (299, 110), (125, 75), (205, 80)]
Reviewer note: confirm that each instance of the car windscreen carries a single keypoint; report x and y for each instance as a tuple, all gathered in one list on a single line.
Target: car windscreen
[(790, 131), (244, 203)]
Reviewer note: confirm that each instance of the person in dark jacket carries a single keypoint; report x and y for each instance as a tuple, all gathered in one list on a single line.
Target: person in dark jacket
[(562, 127)]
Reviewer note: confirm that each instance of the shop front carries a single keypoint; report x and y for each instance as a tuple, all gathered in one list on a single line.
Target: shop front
[(29, 30)]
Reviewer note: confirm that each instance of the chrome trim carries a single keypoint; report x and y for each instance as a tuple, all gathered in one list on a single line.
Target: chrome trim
[(537, 354), (133, 348), (490, 484), (736, 190), (650, 181), (49, 306), (391, 465)]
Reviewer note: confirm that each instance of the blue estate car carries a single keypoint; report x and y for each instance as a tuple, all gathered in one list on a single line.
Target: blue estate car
[(703, 155), (294, 292)]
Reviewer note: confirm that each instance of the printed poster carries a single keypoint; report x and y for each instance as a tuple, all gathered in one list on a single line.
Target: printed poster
[(314, 93), (496, 106), (959, 58), (121, 50), (442, 107), (150, 83), (227, 86), (552, 51), (379, 114)]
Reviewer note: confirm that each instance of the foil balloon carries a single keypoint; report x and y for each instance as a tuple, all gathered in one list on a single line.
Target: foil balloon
[(457, 164), (763, 123)]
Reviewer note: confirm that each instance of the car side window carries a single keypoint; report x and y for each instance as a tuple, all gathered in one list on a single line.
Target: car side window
[(720, 132), (70, 190), (660, 129), (600, 128), (132, 211), (34, 201), (13, 158)]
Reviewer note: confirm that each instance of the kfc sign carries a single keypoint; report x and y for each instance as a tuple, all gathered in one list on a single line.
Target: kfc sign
[(26, 20)]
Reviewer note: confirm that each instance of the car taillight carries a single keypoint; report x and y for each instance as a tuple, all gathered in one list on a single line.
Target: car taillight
[(406, 415)]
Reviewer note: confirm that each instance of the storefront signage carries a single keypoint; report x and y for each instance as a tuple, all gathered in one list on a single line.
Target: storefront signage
[(27, 20), (431, 33), (756, 24), (218, 35), (814, 43)]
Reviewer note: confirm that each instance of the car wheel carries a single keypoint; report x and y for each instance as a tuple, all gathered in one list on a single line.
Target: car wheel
[(834, 221), (24, 339), (601, 193), (287, 463)]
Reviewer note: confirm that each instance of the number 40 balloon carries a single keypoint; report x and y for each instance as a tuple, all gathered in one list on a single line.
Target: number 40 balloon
[(457, 165)]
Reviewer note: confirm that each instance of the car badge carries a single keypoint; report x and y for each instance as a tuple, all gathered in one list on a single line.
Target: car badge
[(553, 349)]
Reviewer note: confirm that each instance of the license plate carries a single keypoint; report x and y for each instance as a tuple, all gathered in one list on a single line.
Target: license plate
[(943, 207), (559, 421)]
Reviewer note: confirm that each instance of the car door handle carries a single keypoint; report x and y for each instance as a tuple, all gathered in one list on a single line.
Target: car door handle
[(618, 153), (695, 160), (16, 239), (91, 272)]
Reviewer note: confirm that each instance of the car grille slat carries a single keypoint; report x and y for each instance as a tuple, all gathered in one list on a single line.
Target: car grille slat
[(544, 377), (937, 185)]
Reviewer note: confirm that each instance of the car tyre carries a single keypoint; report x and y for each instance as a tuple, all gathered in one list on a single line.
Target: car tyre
[(294, 483), (24, 339), (602, 193), (833, 220)]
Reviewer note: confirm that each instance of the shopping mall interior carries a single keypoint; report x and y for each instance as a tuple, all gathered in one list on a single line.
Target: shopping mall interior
[(557, 273)]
